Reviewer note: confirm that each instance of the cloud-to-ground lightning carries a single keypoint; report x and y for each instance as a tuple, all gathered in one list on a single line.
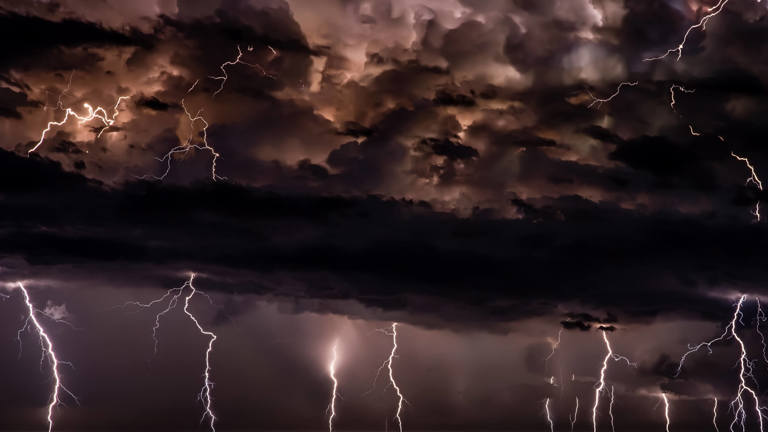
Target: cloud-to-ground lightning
[(738, 403), (388, 364), (711, 12), (548, 413), (172, 297), (335, 386), (239, 60), (714, 416), (599, 101), (759, 319), (600, 386), (575, 414), (665, 399), (753, 178), (98, 113), (49, 351)]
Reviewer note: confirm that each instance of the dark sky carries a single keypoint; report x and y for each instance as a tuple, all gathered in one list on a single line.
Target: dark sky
[(438, 163)]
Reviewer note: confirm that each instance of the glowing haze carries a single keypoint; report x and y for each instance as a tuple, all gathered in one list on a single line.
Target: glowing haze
[(523, 215)]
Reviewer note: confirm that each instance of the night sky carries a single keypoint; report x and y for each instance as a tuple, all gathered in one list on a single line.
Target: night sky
[(514, 182)]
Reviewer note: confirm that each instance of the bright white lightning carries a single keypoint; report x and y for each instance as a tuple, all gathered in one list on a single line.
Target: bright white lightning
[(600, 385), (745, 371), (714, 416), (172, 296), (388, 364), (610, 410), (761, 318), (666, 410), (48, 351), (92, 114), (598, 101), (711, 13), (753, 178), (239, 60), (575, 414), (335, 388), (549, 416)]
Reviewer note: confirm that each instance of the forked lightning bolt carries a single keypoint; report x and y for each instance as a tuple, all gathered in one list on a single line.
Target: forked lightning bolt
[(738, 403), (172, 297), (388, 363), (49, 352), (91, 114), (599, 101), (575, 414), (711, 12), (600, 385), (753, 178), (239, 60), (335, 387)]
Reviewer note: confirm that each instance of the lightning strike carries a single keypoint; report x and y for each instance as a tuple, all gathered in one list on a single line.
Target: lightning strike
[(49, 352), (666, 410), (549, 416), (600, 385), (173, 296), (239, 60), (335, 389), (91, 114), (388, 365), (598, 101), (738, 403), (575, 414), (753, 178), (555, 344), (714, 415), (711, 12), (761, 318), (672, 88)]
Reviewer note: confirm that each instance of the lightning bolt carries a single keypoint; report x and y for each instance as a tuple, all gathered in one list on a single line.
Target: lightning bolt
[(388, 364), (173, 296), (549, 416), (714, 415), (666, 410), (753, 178), (745, 371), (201, 134), (48, 351), (672, 100), (91, 114), (335, 389), (761, 318), (555, 344), (598, 101), (600, 385), (575, 414), (239, 60), (702, 24)]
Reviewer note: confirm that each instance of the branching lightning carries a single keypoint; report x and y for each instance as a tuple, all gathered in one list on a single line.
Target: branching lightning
[(172, 297), (711, 12), (388, 365), (598, 101), (335, 388), (600, 385), (92, 114), (672, 100), (575, 414), (753, 178), (49, 352), (738, 404), (239, 60)]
